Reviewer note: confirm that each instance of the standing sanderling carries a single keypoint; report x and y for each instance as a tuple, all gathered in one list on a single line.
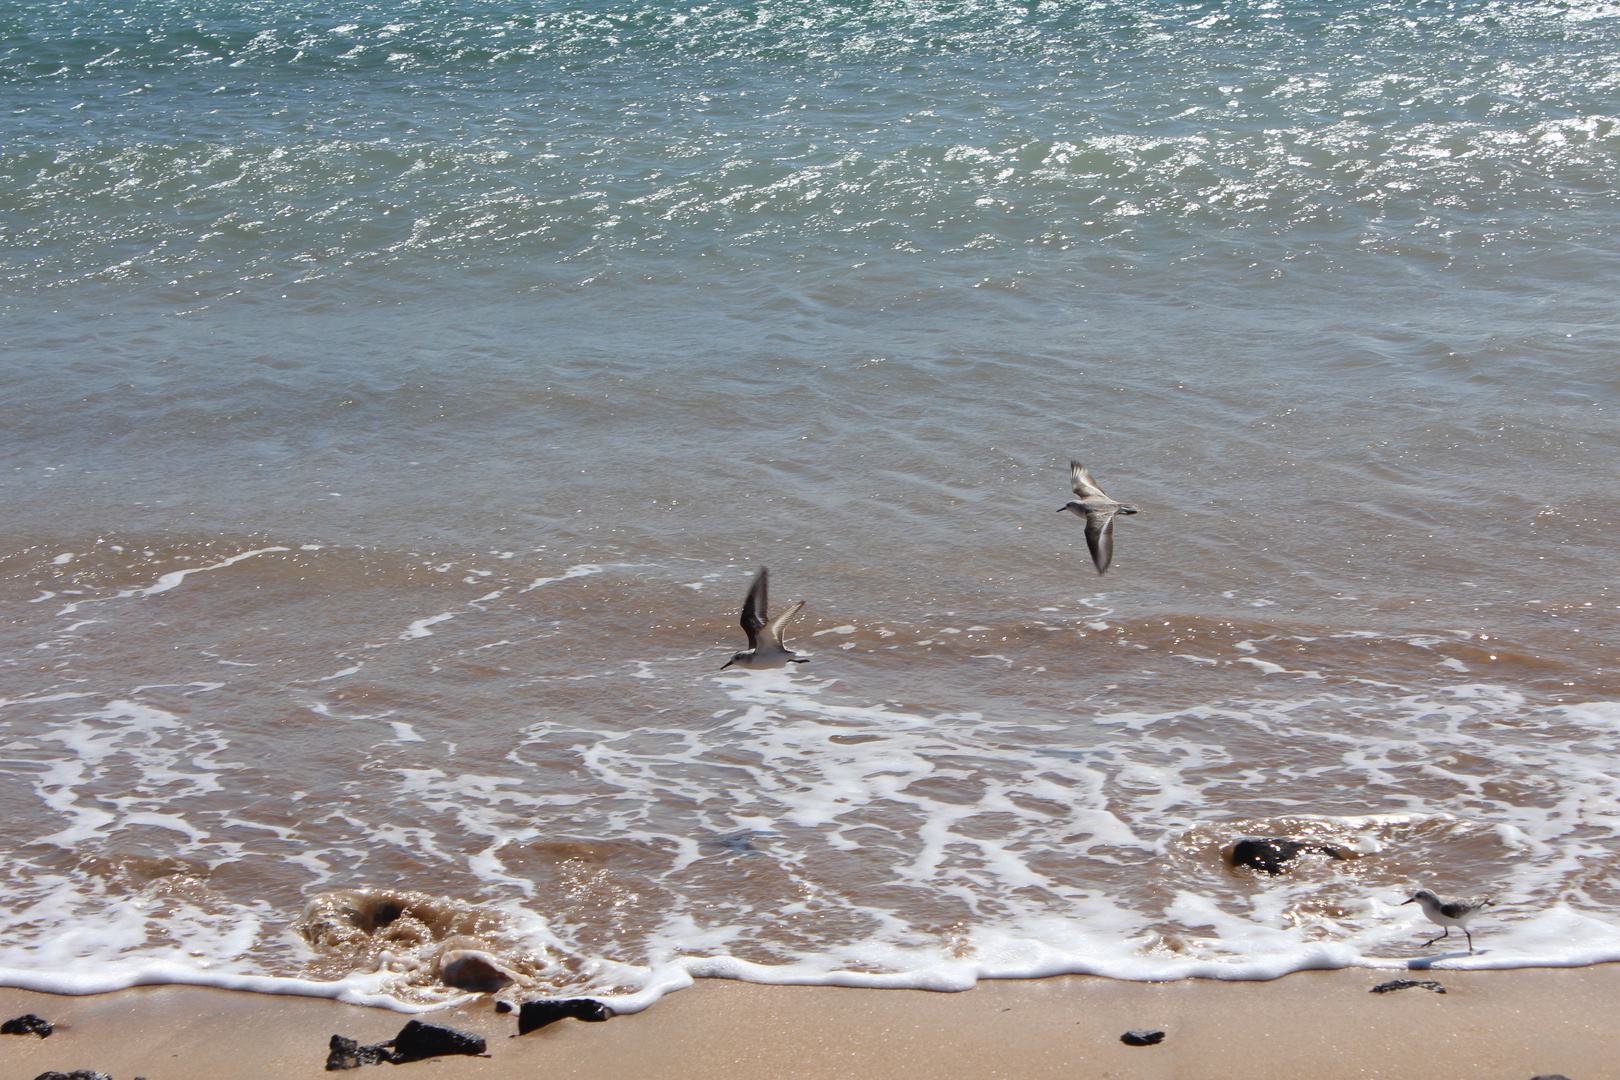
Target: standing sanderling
[(1447, 913)]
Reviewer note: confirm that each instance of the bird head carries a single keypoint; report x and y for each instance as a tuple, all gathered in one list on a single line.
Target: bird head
[(1419, 896), (734, 659)]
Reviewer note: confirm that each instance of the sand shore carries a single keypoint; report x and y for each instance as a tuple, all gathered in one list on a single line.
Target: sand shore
[(1508, 1024)]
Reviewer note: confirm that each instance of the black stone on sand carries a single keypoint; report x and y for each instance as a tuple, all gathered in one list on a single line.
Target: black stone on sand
[(27, 1024), (416, 1041), (537, 1014), (1142, 1038)]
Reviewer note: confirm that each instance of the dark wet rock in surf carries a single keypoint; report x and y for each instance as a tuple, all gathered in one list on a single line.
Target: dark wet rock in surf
[(27, 1024), (1142, 1038), (1269, 854), (475, 970), (537, 1014)]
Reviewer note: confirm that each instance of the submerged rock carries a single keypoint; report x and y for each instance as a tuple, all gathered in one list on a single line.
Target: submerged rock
[(1270, 853), (1407, 984), (537, 1014), (27, 1024), (471, 969), (1142, 1038)]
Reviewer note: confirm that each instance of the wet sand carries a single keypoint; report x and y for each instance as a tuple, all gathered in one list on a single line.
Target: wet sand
[(1509, 1024)]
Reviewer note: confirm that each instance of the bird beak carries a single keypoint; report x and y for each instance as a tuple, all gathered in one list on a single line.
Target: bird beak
[(727, 664), (1403, 903), (1062, 508)]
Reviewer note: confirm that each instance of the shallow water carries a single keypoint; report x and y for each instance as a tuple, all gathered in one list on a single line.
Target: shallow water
[(400, 398)]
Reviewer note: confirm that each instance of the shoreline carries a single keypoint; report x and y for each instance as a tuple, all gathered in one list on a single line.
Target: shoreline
[(1515, 1024)]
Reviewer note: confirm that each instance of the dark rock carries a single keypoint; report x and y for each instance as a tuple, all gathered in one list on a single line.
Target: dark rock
[(76, 1074), (503, 1006), (1268, 855), (1550, 1076), (27, 1024), (414, 1042), (1407, 984), (1142, 1038), (349, 1054), (417, 1040), (537, 1014)]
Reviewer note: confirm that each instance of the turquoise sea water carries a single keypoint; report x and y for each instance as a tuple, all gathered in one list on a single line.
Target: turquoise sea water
[(465, 359)]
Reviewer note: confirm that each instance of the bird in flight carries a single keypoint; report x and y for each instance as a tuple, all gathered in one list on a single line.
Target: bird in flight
[(765, 648), (1098, 510)]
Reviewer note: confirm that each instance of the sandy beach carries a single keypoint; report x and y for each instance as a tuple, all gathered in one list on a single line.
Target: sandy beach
[(1509, 1024)]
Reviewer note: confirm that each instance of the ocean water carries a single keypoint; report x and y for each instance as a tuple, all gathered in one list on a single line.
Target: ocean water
[(398, 399)]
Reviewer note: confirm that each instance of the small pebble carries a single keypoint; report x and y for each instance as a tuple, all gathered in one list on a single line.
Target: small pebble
[(1141, 1038)]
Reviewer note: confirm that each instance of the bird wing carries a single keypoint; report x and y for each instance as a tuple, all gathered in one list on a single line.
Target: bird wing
[(778, 624), (1462, 909), (755, 606), (1084, 486), (1100, 538)]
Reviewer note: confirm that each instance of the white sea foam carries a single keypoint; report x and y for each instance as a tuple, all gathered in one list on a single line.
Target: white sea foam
[(419, 628), (171, 580)]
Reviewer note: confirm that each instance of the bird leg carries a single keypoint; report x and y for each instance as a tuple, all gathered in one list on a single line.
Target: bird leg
[(1437, 937)]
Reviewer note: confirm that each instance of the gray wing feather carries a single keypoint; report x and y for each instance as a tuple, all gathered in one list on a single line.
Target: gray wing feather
[(1084, 486), (778, 624), (1100, 539)]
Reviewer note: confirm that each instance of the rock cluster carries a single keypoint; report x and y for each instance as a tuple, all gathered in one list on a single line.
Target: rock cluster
[(415, 1042), (1407, 984), (27, 1024)]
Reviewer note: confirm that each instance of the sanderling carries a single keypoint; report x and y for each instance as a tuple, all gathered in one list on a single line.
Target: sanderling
[(765, 648), (1098, 510), (1447, 913)]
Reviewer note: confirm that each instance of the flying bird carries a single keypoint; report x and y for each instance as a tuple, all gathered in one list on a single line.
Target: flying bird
[(765, 648), (1098, 510), (1447, 913)]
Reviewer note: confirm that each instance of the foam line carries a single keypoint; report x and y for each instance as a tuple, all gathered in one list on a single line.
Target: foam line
[(170, 580)]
